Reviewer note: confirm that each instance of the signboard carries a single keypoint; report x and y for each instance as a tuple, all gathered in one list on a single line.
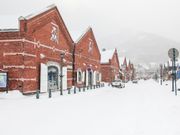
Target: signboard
[(3, 80), (178, 74), (173, 51)]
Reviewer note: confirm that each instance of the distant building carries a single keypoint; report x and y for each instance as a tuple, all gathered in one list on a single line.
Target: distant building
[(110, 65), (127, 69)]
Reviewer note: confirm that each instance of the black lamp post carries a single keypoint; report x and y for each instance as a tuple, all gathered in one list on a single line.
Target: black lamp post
[(61, 75)]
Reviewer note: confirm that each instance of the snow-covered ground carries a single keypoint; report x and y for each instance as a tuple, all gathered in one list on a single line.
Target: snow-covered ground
[(146, 108)]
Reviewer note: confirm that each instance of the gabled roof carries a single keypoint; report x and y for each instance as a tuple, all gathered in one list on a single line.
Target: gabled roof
[(121, 60), (39, 12), (88, 30), (48, 9), (107, 55), (82, 35), (14, 19)]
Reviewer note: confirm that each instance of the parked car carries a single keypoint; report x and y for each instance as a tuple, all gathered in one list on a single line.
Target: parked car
[(135, 81), (118, 84)]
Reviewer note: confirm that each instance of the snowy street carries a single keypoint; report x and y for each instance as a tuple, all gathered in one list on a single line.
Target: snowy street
[(146, 108)]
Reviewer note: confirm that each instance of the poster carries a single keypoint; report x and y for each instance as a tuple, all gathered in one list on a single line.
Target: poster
[(3, 80), (178, 74)]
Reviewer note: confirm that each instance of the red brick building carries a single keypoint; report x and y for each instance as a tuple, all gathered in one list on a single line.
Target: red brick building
[(87, 60), (31, 54), (110, 65), (127, 69)]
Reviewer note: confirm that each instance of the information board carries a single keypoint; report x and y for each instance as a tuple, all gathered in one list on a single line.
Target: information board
[(3, 80)]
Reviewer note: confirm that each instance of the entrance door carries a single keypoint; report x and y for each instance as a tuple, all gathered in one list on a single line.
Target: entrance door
[(52, 78)]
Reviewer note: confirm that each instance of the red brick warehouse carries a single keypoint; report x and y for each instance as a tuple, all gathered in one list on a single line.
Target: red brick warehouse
[(31, 54), (110, 65), (87, 60)]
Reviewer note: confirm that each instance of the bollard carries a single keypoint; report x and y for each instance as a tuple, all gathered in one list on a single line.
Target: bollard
[(69, 91), (50, 93), (83, 88), (87, 87), (94, 86), (79, 89), (37, 94), (74, 90)]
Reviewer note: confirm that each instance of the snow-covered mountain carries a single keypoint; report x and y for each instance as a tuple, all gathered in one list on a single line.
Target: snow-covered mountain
[(146, 70), (140, 47)]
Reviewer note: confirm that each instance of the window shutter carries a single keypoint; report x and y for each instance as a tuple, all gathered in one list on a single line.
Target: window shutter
[(100, 79), (44, 78), (87, 78), (83, 76)]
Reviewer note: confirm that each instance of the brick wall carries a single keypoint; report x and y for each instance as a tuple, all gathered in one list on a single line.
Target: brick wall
[(22, 57), (87, 57)]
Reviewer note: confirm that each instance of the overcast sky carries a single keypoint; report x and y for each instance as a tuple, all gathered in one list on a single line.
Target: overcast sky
[(107, 17)]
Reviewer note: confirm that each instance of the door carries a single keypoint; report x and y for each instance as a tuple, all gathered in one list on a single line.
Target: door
[(53, 78)]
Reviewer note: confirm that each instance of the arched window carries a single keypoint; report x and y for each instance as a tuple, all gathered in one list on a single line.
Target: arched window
[(79, 75)]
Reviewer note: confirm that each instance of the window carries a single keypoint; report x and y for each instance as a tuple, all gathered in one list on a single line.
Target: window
[(79, 75), (54, 33), (90, 47)]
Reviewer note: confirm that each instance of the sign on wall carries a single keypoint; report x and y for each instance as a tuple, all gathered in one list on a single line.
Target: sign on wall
[(178, 74), (3, 80)]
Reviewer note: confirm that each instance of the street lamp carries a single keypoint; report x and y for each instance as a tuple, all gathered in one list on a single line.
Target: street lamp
[(61, 75)]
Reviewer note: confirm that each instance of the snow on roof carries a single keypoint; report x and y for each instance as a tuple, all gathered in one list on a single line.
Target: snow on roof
[(127, 60), (106, 55), (39, 12), (82, 35), (9, 30), (121, 60), (10, 22)]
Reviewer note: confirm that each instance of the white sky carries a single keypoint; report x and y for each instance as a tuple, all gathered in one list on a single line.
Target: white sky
[(107, 17), (156, 16)]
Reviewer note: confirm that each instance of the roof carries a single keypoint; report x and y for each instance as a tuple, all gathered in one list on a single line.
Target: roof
[(9, 30), (107, 55), (82, 35), (38, 12), (10, 22), (121, 60), (127, 60)]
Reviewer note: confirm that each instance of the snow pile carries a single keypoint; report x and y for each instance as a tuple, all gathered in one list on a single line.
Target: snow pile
[(11, 95)]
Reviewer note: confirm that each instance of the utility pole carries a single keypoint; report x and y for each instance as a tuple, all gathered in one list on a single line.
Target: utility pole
[(161, 73), (174, 66)]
